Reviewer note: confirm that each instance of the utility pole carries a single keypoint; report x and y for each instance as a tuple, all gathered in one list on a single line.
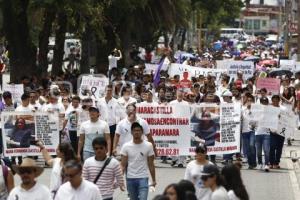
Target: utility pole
[(298, 30)]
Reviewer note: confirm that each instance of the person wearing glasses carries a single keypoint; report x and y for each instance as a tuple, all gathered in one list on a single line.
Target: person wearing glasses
[(29, 188), (211, 178), (77, 188)]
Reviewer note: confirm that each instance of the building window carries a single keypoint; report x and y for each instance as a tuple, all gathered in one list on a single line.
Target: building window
[(256, 24), (248, 24), (264, 23)]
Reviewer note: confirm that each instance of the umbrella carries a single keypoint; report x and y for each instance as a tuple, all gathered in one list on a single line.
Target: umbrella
[(245, 54), (280, 72), (187, 55), (252, 58)]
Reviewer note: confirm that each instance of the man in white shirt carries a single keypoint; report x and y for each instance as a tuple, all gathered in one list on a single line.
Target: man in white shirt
[(76, 188), (126, 98), (91, 129), (25, 106), (123, 131), (71, 119), (33, 100), (149, 99), (110, 110), (29, 188), (113, 60), (137, 159)]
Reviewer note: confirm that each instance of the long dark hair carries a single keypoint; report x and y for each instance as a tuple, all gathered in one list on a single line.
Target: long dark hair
[(67, 150), (233, 181), (180, 194)]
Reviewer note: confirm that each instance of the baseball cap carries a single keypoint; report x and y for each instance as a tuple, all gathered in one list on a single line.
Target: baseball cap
[(209, 170)]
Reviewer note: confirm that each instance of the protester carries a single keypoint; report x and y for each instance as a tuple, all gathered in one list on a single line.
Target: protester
[(233, 183), (103, 170), (29, 188), (212, 179), (91, 129), (193, 169), (174, 192), (76, 188), (6, 181), (64, 152), (137, 159)]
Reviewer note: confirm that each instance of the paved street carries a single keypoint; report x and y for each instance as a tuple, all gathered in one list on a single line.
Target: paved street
[(276, 185)]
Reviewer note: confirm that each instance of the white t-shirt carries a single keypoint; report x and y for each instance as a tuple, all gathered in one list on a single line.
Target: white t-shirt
[(124, 130), (232, 195), (125, 103), (86, 191), (112, 61), (220, 193), (192, 173), (91, 130), (37, 192), (176, 102), (28, 108), (111, 111), (55, 178), (137, 158)]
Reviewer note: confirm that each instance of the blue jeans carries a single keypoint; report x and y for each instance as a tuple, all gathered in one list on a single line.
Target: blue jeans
[(276, 145), (137, 188), (249, 147), (262, 142)]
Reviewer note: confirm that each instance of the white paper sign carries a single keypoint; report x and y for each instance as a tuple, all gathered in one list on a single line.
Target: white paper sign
[(233, 66), (15, 89), (94, 85)]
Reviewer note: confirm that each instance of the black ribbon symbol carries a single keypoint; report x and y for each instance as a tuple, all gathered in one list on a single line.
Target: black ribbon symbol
[(93, 91), (282, 132)]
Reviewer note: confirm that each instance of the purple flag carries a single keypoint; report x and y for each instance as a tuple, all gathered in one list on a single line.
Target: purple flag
[(156, 78)]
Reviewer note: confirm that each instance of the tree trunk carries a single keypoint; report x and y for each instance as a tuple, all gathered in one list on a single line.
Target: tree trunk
[(49, 17), (60, 35), (85, 50), (21, 48)]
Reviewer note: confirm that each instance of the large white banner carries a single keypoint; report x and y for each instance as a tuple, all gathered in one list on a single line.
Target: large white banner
[(287, 123), (177, 130), (15, 89), (20, 131), (289, 65), (178, 69), (233, 66), (150, 68)]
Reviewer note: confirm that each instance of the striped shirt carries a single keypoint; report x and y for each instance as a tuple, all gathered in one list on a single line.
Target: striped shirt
[(106, 182)]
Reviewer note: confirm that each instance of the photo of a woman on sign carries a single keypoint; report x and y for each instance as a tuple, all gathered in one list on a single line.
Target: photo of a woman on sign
[(206, 128), (21, 135)]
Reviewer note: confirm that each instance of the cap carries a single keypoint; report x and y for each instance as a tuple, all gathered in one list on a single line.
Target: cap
[(93, 109), (226, 93), (210, 170)]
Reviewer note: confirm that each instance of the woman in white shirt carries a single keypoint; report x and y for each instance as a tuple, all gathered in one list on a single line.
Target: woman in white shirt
[(192, 172), (65, 152), (234, 184)]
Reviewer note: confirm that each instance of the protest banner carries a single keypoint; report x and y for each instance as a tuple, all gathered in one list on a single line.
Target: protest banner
[(287, 123), (93, 85), (150, 68), (271, 84), (177, 130), (15, 89), (269, 117), (233, 66), (170, 128), (289, 65), (179, 69), (20, 131)]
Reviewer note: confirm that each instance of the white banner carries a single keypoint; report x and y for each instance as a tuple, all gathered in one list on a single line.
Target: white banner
[(177, 130), (20, 131), (95, 86), (233, 66), (287, 123), (289, 65), (15, 89), (150, 68), (178, 69)]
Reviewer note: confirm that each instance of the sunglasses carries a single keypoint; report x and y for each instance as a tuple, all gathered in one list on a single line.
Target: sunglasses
[(26, 171), (205, 177)]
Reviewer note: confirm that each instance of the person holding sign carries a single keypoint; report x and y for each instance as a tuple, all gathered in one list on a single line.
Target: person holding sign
[(91, 129)]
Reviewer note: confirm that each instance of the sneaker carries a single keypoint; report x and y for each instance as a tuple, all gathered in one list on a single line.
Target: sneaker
[(259, 166), (266, 168)]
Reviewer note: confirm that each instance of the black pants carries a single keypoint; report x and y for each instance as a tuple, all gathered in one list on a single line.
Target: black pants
[(276, 145), (112, 130), (74, 140)]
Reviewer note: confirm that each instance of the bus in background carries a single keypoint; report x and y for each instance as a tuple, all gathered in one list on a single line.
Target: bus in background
[(233, 33)]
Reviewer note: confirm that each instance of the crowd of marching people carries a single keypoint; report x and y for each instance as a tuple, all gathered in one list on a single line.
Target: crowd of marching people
[(105, 145)]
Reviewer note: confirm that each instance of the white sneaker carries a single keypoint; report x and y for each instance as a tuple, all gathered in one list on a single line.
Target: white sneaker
[(259, 166), (267, 168)]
